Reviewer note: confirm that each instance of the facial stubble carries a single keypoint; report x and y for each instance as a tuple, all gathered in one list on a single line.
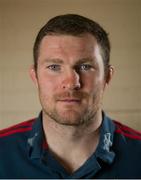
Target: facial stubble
[(71, 117)]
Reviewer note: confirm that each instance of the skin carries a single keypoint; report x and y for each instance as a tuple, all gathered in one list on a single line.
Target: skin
[(71, 82)]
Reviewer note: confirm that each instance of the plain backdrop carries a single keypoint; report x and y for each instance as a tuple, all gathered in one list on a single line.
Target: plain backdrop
[(20, 20)]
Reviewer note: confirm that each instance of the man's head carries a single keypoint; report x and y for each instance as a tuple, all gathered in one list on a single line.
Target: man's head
[(69, 71), (76, 25)]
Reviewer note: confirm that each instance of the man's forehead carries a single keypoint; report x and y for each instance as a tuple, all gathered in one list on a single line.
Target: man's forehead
[(87, 37), (68, 44), (59, 48), (81, 60)]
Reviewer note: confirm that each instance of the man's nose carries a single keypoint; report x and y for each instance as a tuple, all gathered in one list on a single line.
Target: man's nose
[(71, 80)]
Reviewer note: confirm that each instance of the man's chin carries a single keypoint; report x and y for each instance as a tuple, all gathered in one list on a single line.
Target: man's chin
[(69, 118)]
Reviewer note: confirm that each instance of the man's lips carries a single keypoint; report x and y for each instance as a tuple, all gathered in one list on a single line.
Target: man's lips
[(70, 100)]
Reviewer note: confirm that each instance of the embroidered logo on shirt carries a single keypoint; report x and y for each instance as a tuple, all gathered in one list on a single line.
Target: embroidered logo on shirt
[(107, 141), (31, 140)]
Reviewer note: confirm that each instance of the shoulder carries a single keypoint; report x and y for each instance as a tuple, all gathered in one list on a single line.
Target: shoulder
[(127, 134), (127, 147), (17, 129), (13, 143)]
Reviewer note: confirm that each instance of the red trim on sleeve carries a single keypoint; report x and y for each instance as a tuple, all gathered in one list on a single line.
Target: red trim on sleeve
[(21, 127), (127, 131), (15, 131)]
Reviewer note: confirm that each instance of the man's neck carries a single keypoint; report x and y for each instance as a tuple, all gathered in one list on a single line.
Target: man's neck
[(72, 145)]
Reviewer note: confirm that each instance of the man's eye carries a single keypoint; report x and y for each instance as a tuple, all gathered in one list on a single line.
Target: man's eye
[(85, 67), (54, 67)]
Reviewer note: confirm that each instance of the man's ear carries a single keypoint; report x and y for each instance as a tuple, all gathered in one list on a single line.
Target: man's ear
[(33, 75), (110, 74)]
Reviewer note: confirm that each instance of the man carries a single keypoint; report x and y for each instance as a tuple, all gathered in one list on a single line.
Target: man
[(72, 137)]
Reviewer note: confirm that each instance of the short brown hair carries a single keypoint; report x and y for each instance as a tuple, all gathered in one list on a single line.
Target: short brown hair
[(73, 24)]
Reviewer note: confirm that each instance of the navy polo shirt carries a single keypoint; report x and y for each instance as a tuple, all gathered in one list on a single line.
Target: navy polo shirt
[(24, 153)]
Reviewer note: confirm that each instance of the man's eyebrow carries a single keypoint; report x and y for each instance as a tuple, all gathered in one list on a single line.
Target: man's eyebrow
[(85, 60), (56, 60), (79, 61)]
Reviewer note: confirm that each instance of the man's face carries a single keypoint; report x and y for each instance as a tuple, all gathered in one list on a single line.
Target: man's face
[(70, 78)]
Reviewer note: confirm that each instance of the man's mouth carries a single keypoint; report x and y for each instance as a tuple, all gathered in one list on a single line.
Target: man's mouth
[(70, 100)]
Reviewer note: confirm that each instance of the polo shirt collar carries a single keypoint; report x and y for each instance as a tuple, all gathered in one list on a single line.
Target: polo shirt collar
[(104, 150), (36, 139)]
